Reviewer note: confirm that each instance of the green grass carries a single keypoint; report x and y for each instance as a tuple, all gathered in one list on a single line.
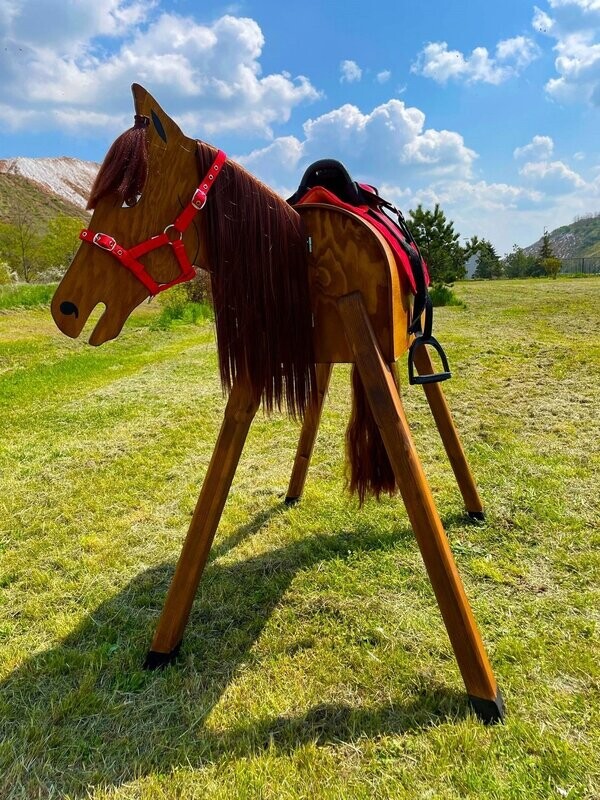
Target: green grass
[(315, 664), (25, 295)]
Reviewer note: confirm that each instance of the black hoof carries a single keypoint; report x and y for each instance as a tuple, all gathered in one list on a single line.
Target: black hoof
[(490, 712), (156, 660), (476, 515), (292, 501)]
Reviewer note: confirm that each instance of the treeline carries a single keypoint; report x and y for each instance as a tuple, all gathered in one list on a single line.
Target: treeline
[(517, 263), (33, 255), (30, 254), (446, 258)]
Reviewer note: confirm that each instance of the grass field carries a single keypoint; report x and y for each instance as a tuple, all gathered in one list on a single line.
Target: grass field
[(315, 664)]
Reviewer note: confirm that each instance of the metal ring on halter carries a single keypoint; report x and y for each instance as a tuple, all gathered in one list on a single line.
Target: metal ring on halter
[(179, 232)]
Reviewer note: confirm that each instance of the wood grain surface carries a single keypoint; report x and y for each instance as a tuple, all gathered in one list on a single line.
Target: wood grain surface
[(350, 255), (388, 412)]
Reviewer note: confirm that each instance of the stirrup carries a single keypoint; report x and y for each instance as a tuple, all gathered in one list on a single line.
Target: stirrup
[(424, 337), (434, 377)]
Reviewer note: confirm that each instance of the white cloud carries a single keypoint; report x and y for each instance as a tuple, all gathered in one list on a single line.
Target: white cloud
[(211, 74), (585, 5), (389, 143), (575, 27), (435, 61), (554, 176), (539, 147), (383, 76), (350, 72), (392, 148)]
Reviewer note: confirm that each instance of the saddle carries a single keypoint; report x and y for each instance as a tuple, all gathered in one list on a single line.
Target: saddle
[(327, 181)]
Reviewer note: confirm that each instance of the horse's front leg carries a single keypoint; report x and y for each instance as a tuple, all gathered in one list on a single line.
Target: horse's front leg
[(239, 413)]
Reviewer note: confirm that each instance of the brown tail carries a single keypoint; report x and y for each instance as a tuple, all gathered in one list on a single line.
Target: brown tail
[(370, 469)]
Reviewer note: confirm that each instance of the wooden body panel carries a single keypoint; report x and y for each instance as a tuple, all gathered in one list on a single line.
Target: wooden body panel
[(350, 255)]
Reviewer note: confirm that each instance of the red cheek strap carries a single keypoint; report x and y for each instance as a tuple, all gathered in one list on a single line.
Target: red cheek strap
[(129, 258)]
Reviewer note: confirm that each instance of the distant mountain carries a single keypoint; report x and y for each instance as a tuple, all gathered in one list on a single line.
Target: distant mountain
[(69, 178), (577, 240), (34, 202)]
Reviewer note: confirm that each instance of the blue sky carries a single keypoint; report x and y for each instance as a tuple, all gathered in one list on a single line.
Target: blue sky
[(491, 109)]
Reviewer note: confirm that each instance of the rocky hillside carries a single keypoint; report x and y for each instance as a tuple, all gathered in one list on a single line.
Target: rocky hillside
[(20, 197), (69, 178), (577, 240)]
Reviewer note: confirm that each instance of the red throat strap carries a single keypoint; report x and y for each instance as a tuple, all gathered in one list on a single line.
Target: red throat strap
[(129, 258)]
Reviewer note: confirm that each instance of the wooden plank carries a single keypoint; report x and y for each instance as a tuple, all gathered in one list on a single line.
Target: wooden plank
[(239, 413), (450, 438), (348, 254), (388, 411), (308, 435)]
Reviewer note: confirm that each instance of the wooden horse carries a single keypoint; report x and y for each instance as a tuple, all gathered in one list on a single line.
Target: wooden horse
[(283, 316)]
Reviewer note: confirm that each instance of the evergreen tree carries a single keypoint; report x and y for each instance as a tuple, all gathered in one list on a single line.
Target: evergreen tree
[(488, 262), (546, 250), (439, 244), (517, 264)]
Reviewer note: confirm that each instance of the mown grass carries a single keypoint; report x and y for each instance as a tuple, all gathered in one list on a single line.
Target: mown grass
[(315, 663)]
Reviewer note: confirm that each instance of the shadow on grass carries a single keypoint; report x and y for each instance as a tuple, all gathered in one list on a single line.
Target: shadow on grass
[(84, 714)]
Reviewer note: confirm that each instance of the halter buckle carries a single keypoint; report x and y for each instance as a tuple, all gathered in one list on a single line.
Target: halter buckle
[(105, 241), (199, 199)]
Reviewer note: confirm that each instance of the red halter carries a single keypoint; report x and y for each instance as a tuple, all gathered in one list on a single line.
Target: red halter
[(129, 258)]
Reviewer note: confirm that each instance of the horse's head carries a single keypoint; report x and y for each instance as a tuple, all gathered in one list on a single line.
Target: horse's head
[(147, 179)]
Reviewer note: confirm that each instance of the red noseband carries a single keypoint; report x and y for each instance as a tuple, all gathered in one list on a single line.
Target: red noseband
[(129, 258)]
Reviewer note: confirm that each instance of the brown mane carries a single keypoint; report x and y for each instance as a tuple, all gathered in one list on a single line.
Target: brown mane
[(125, 166), (259, 270)]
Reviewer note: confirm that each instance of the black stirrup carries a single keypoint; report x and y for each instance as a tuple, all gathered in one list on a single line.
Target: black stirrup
[(422, 339)]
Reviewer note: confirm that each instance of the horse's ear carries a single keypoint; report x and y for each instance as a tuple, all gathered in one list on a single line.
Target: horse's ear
[(162, 131)]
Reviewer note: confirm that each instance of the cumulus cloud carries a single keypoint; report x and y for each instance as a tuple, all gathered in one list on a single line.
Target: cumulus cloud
[(440, 64), (554, 176), (575, 27), (211, 74), (350, 72), (389, 143), (391, 147), (539, 147)]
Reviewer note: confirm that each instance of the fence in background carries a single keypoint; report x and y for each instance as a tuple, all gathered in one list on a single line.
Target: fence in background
[(580, 266)]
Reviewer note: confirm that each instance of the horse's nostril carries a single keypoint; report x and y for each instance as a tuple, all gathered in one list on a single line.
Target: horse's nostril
[(69, 308)]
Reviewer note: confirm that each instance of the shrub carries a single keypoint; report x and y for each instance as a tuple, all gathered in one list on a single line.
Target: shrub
[(551, 266), (177, 307), (200, 289), (442, 295), (5, 276)]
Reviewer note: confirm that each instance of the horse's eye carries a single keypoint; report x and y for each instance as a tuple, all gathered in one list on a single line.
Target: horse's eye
[(131, 201)]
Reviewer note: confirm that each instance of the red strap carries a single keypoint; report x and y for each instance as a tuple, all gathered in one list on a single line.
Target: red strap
[(149, 245), (198, 201), (129, 258)]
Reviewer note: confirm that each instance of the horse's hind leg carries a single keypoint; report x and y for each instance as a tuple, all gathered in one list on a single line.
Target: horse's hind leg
[(308, 435), (239, 413), (387, 409), (445, 425)]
